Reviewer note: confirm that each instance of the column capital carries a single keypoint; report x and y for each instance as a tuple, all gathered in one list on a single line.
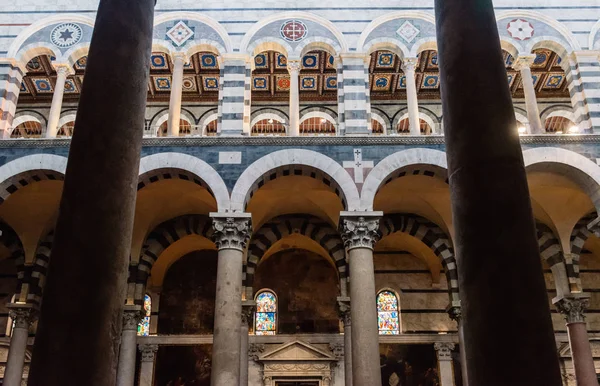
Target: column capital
[(360, 229), (293, 65), (524, 61), (148, 352), (444, 350), (63, 68), (573, 306), (338, 350), (180, 56), (132, 316), (344, 310), (454, 311), (409, 64), (23, 315), (248, 307), (231, 230)]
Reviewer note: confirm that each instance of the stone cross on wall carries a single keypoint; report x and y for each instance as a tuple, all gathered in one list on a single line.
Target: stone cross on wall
[(358, 168)]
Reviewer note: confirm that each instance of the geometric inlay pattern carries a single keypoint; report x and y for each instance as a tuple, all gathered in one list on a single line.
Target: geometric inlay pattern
[(520, 29), (293, 30), (408, 31), (180, 33), (65, 35)]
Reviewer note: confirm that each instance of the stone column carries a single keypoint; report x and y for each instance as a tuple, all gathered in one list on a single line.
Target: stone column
[(179, 61), (148, 352), (127, 352), (11, 76), (294, 69), (360, 232), (248, 307), (573, 307), (523, 64), (444, 357), (490, 196), (408, 66), (77, 340), (62, 71), (344, 312), (454, 311), (231, 235), (23, 315)]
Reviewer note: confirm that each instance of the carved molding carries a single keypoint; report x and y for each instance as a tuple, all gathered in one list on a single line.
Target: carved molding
[(360, 232), (248, 312), (444, 351), (300, 141), (344, 310), (255, 350), (338, 350), (455, 313), (232, 232), (148, 352)]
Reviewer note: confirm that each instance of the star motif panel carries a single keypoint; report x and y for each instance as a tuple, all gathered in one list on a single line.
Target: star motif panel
[(180, 33), (66, 35)]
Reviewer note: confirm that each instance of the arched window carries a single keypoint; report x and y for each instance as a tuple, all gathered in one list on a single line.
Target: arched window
[(377, 127), (144, 326), (66, 130), (211, 128), (317, 126), (404, 127), (29, 129), (185, 128), (387, 313), (265, 318), (268, 127)]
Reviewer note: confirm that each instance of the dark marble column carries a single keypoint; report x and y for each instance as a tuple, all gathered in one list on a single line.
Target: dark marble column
[(346, 318), (248, 308), (573, 307), (503, 294), (78, 336)]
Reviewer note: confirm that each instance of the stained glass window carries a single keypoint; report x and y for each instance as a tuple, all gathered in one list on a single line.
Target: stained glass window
[(144, 326), (387, 313), (266, 314)]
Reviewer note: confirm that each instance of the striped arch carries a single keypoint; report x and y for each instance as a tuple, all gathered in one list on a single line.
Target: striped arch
[(579, 236), (12, 242), (31, 285), (550, 248), (159, 239), (432, 236), (310, 226), (23, 171), (298, 162)]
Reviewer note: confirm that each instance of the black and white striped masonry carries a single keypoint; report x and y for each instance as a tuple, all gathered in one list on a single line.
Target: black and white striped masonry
[(10, 85), (233, 93)]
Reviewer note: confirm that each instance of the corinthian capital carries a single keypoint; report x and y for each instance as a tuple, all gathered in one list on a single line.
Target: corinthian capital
[(232, 231), (523, 61), (409, 64), (573, 307), (360, 229), (293, 66), (444, 350), (23, 315), (148, 352), (132, 316)]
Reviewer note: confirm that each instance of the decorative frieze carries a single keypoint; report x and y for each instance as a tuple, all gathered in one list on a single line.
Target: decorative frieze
[(255, 351), (131, 318), (344, 310)]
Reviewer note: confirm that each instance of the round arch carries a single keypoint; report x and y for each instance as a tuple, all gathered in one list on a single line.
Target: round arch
[(16, 48), (576, 167), (386, 168), (424, 115), (201, 18), (25, 170), (162, 117), (387, 44), (331, 172), (309, 226), (318, 114), (248, 47), (271, 114), (381, 121), (206, 120), (206, 173), (571, 42), (558, 111), (433, 237), (594, 44), (361, 45)]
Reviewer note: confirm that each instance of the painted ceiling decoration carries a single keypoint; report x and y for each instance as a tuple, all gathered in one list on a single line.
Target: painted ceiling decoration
[(318, 77), (271, 80)]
